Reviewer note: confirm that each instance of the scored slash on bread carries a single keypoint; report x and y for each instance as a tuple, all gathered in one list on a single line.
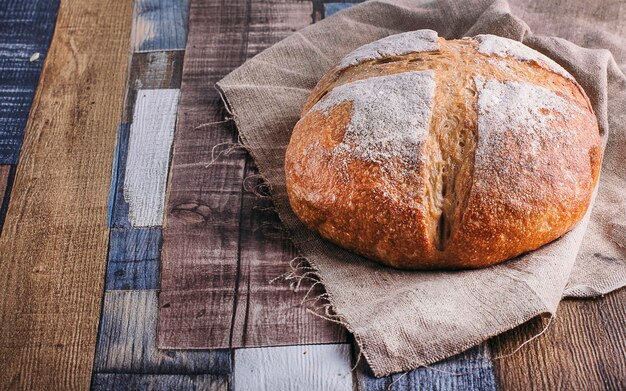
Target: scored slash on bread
[(425, 153)]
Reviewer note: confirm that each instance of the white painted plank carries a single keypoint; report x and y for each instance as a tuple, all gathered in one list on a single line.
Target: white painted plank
[(151, 135), (303, 367)]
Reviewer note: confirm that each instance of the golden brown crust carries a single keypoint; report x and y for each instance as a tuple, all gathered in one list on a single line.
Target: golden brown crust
[(477, 195)]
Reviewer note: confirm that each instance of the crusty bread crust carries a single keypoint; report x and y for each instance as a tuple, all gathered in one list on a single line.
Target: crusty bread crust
[(507, 162)]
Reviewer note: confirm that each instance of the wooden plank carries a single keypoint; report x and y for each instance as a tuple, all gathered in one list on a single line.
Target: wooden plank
[(271, 314), (160, 24), (304, 367), (7, 175), (138, 382), (201, 233), (152, 70), (214, 252), (470, 370), (54, 242), (127, 341), (25, 29), (584, 348), (151, 136), (134, 256), (118, 207)]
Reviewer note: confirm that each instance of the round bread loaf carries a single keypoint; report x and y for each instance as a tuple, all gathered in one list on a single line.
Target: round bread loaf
[(425, 153)]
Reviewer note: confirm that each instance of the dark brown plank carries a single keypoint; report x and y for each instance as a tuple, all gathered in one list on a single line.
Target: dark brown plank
[(584, 348), (217, 257), (271, 314), (200, 236), (54, 242)]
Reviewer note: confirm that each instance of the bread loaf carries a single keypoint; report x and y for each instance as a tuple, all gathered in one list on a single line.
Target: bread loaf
[(425, 153)]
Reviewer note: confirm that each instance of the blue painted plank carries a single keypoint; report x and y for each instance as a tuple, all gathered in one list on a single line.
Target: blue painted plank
[(26, 27), (133, 259), (138, 382), (471, 370), (127, 341), (333, 8), (118, 207), (160, 24)]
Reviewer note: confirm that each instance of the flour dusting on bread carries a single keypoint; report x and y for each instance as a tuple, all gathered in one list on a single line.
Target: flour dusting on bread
[(504, 47), (393, 45), (390, 115), (526, 110)]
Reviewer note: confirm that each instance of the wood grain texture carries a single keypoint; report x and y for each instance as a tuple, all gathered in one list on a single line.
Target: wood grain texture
[(217, 263), (140, 382), (127, 341), (134, 257), (53, 247), (583, 349), (304, 367), (152, 70), (160, 24), (118, 207), (149, 144), (471, 370), (271, 314), (25, 28)]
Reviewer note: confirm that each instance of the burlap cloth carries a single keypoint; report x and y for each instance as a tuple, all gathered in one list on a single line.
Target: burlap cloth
[(402, 320)]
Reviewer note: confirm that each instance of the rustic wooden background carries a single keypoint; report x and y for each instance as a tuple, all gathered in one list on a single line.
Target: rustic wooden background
[(136, 252)]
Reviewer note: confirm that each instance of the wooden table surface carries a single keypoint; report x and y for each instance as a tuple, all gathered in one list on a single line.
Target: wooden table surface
[(138, 244)]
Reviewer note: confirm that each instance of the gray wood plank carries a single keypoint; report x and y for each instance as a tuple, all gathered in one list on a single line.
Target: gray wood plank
[(160, 24), (134, 257)]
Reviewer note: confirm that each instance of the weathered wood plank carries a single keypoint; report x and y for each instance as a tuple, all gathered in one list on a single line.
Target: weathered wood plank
[(200, 237), (53, 247), (118, 207), (584, 348), (25, 29), (7, 174), (471, 370), (149, 145), (217, 263), (139, 382), (160, 24), (127, 341), (134, 257), (152, 70), (304, 367), (271, 314)]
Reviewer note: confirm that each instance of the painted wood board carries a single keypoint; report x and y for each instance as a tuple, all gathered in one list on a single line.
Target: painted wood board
[(7, 174), (127, 341), (134, 258), (583, 349), (160, 25), (26, 28), (285, 368), (54, 241), (470, 370), (149, 145), (158, 382), (152, 70), (214, 250)]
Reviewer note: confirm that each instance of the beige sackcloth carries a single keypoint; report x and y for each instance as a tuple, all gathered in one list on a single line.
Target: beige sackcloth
[(402, 319)]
